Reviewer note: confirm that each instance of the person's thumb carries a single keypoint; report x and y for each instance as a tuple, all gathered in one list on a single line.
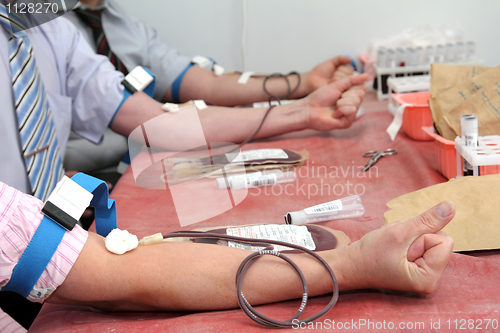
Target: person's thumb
[(430, 221)]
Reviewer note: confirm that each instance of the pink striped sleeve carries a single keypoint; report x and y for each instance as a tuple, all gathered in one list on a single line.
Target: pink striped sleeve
[(9, 325), (20, 216)]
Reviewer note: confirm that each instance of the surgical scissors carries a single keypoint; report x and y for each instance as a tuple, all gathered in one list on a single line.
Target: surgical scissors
[(375, 156)]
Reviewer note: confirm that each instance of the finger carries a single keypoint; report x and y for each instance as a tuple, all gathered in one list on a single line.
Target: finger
[(345, 116), (436, 252), (359, 87), (339, 76), (345, 69), (430, 221), (341, 60), (416, 249), (328, 95), (343, 122), (349, 100), (354, 91), (350, 81), (346, 110)]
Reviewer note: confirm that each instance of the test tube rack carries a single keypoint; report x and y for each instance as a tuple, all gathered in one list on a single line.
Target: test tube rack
[(406, 84), (402, 72), (487, 153)]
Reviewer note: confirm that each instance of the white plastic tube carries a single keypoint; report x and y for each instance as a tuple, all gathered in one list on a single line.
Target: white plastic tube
[(256, 179), (348, 207), (471, 134), (466, 165)]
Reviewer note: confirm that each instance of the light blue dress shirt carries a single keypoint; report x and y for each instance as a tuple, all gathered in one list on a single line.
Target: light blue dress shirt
[(136, 44), (83, 89)]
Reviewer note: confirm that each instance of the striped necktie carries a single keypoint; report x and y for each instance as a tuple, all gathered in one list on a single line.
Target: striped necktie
[(36, 128), (93, 19)]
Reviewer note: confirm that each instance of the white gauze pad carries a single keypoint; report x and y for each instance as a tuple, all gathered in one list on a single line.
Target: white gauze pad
[(121, 241)]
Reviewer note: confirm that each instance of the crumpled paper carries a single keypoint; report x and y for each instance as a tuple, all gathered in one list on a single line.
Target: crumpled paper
[(476, 225)]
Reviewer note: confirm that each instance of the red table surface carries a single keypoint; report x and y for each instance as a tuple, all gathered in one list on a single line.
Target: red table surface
[(467, 297)]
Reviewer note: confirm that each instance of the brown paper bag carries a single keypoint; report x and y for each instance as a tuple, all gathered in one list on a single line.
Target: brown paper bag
[(444, 77), (485, 105), (476, 225), (448, 100)]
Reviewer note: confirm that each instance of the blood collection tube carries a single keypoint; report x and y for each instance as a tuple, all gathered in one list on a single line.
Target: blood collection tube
[(257, 179), (440, 52), (383, 62), (460, 49), (450, 52), (470, 50), (348, 207), (391, 58), (411, 57), (466, 165), (471, 136), (400, 57), (429, 54), (419, 55), (381, 57)]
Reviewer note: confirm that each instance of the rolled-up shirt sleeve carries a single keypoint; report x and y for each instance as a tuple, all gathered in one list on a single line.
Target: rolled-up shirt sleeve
[(20, 216), (165, 62), (94, 85), (136, 44), (9, 325)]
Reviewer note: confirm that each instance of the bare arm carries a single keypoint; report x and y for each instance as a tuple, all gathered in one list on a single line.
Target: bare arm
[(224, 90), (331, 107), (408, 256)]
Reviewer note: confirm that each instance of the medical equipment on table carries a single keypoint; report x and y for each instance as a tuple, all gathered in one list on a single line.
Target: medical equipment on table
[(471, 134), (466, 166), (256, 179), (482, 157), (191, 165), (395, 62), (348, 207), (375, 156)]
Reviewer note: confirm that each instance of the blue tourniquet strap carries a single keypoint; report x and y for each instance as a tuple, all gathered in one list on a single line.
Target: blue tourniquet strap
[(176, 86), (104, 208), (150, 90), (36, 257), (49, 235)]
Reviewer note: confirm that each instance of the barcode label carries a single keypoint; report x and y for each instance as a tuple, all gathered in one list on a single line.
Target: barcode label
[(326, 207), (258, 154), (263, 180), (471, 140), (293, 234)]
